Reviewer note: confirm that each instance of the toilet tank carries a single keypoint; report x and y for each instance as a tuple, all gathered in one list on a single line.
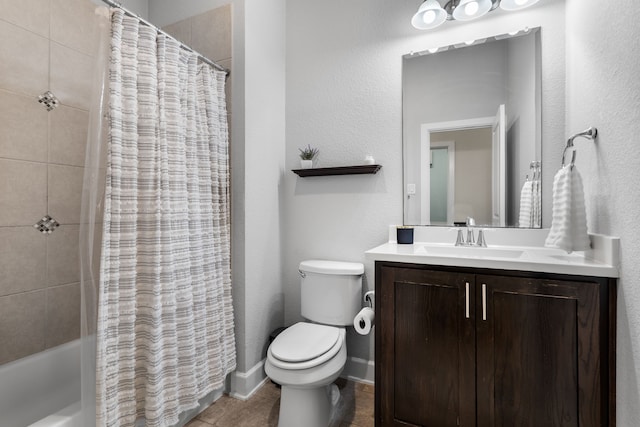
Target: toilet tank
[(331, 291)]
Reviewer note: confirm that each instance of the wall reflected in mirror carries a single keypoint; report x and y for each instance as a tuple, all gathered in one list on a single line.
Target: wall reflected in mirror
[(471, 128)]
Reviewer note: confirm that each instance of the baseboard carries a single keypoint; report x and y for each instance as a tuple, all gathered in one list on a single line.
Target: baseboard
[(359, 370), (244, 384)]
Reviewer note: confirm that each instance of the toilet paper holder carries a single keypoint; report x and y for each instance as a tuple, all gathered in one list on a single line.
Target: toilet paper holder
[(365, 317), (370, 298)]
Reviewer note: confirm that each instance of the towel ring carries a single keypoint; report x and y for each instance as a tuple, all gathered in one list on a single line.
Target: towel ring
[(590, 134)]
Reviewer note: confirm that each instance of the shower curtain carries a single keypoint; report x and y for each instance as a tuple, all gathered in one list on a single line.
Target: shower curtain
[(164, 331)]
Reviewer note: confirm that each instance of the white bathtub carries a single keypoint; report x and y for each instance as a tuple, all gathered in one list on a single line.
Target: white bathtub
[(42, 390)]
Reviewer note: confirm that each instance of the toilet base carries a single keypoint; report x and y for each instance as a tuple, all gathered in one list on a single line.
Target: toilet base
[(312, 407)]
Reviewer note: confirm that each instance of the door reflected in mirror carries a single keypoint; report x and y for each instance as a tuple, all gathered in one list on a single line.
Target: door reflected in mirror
[(471, 128)]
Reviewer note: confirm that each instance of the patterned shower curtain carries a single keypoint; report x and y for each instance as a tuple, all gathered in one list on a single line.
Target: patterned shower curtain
[(165, 321)]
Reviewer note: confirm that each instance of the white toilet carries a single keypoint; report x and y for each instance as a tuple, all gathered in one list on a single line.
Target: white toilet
[(307, 357)]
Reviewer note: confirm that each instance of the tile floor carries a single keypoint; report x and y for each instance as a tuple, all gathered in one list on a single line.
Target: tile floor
[(261, 410)]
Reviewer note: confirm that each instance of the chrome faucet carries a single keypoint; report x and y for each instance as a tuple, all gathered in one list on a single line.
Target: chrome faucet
[(471, 241), (470, 236), (481, 242)]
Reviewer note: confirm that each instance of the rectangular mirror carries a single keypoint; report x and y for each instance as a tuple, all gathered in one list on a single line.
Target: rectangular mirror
[(472, 132)]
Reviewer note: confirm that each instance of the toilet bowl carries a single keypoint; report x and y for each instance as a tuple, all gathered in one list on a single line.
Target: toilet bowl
[(307, 364), (306, 399), (307, 357)]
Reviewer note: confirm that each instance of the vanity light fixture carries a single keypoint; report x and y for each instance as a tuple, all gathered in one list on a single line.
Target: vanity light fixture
[(429, 15), (516, 4), (472, 9), (432, 14)]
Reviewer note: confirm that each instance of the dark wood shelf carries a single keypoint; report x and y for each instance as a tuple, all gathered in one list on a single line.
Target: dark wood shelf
[(339, 170)]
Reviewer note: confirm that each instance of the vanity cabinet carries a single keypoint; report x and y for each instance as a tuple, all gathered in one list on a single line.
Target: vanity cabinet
[(488, 348)]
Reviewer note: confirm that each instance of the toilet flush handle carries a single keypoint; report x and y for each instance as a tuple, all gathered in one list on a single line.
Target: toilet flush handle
[(302, 274)]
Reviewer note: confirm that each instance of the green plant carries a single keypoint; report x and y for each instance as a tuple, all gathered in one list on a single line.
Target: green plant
[(308, 153)]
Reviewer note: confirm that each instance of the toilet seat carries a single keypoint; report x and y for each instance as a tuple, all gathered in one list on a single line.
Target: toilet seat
[(305, 345)]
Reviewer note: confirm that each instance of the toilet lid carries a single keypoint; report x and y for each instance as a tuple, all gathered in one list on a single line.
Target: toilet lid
[(304, 341)]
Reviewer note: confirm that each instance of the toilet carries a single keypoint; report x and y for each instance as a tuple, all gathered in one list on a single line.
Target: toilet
[(307, 357)]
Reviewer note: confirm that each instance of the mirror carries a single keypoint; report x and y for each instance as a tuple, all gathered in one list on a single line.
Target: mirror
[(472, 132)]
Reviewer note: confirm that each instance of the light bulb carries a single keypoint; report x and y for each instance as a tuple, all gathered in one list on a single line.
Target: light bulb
[(471, 8), (516, 4), (429, 17), (430, 14)]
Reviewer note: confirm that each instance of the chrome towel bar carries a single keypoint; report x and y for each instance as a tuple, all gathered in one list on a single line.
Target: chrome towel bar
[(590, 134)]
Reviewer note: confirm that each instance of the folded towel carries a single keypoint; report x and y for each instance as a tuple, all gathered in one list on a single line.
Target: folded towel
[(569, 220), (526, 194), (536, 204)]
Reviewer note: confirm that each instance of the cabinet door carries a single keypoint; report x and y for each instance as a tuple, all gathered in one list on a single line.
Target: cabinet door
[(425, 366), (538, 353)]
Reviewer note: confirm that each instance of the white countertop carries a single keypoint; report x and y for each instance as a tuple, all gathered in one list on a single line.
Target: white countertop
[(600, 261)]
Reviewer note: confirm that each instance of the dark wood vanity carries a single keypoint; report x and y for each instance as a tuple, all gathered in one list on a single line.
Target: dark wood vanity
[(461, 346)]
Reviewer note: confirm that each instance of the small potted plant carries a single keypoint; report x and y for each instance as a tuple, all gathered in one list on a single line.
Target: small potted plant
[(307, 155)]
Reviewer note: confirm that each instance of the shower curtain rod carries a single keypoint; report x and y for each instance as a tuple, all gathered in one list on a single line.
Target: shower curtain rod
[(149, 24)]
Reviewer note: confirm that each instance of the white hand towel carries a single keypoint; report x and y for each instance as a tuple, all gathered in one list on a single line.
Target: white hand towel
[(536, 204), (525, 205), (569, 221)]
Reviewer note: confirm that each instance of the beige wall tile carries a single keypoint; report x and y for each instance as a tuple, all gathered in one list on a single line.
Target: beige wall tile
[(65, 193), (71, 76), (23, 192), (211, 33), (24, 127), (72, 24), (23, 260), (32, 15), (68, 140), (63, 314), (22, 325), (24, 60), (181, 30), (63, 264)]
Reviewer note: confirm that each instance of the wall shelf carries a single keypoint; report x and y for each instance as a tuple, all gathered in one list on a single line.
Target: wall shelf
[(339, 170)]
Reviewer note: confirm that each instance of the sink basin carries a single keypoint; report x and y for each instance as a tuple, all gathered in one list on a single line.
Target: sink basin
[(464, 251)]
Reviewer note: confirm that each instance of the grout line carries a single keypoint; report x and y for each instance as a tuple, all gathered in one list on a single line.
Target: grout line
[(70, 48), (25, 29), (9, 159), (30, 291)]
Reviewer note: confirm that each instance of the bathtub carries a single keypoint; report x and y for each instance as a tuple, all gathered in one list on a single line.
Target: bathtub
[(42, 390)]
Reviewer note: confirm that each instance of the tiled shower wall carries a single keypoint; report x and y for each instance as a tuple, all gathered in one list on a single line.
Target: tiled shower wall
[(45, 45)]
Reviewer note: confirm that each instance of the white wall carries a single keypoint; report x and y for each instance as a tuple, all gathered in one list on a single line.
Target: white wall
[(344, 96), (264, 148), (603, 90)]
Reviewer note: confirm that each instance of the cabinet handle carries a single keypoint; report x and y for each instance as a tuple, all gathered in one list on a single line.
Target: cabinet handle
[(484, 302), (466, 299)]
